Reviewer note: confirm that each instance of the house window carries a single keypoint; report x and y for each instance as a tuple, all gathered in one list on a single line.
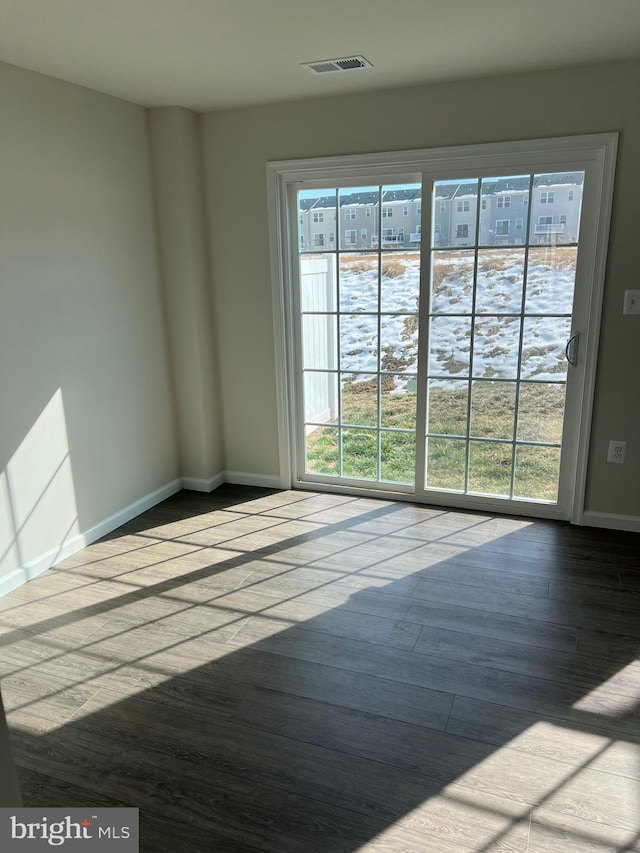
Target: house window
[(401, 235), (350, 237), (349, 214), (525, 200), (443, 206), (363, 233), (368, 213), (301, 219), (387, 211), (547, 197), (519, 223), (318, 240), (504, 201), (570, 195), (436, 228), (563, 219), (332, 237), (463, 207), (318, 216), (420, 209), (462, 230), (545, 220), (484, 204), (405, 210), (503, 226)]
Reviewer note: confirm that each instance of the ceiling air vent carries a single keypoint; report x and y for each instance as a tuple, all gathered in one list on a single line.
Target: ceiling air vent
[(346, 63)]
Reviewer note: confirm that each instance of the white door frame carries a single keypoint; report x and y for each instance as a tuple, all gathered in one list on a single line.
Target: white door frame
[(596, 154)]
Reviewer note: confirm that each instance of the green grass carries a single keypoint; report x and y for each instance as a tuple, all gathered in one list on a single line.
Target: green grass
[(540, 415)]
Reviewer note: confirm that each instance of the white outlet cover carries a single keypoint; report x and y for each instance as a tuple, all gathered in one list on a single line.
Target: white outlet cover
[(617, 452), (631, 302)]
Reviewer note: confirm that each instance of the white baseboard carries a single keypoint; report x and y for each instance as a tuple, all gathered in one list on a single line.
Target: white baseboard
[(45, 561), (197, 484), (242, 478), (611, 521)]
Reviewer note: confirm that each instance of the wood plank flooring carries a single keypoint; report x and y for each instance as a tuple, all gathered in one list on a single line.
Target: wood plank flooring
[(290, 671)]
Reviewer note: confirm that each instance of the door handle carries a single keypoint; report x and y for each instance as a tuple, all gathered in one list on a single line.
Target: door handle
[(571, 349)]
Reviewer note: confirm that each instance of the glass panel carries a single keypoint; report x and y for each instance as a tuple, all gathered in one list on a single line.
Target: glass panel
[(447, 407), (359, 399), (455, 207), (452, 282), (449, 346), (358, 225), (359, 282), (500, 278), (401, 215), (397, 457), (360, 454), (316, 220), (400, 286), (398, 342), (317, 282), (543, 344), (446, 459), (503, 210), (398, 401), (323, 454), (490, 468), (359, 342), (537, 473), (495, 349), (551, 278), (555, 208), (541, 412), (319, 341), (493, 406), (320, 397)]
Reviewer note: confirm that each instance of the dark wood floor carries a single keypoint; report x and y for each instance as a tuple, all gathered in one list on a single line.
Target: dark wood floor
[(287, 671)]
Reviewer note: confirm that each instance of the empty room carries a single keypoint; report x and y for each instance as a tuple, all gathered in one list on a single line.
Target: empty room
[(319, 435)]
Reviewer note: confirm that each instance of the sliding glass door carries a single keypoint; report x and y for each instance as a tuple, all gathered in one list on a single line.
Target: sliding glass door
[(440, 326)]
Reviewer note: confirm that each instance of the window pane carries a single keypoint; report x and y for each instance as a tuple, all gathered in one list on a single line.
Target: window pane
[(359, 282), (398, 342), (541, 412), (316, 220), (543, 344), (493, 407), (400, 286), (400, 213), (398, 401), (397, 457), (445, 463), (323, 455), (360, 454), (551, 278), (455, 205), (500, 279), (359, 399), (449, 346), (447, 407), (359, 343), (320, 397), (317, 282), (495, 349), (537, 473), (452, 282), (358, 225), (503, 208), (556, 207), (319, 341), (490, 468)]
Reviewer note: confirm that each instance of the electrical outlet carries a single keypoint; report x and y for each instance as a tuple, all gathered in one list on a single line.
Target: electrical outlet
[(631, 302), (617, 451)]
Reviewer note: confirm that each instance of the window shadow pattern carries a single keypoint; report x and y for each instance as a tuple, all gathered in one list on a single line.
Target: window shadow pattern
[(290, 671)]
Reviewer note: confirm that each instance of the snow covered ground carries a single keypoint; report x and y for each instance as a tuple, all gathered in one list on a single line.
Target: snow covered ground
[(549, 292)]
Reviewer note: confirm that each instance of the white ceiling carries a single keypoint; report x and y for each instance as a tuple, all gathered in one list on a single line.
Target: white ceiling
[(211, 54)]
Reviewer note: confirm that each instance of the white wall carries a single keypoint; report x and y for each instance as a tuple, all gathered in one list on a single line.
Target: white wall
[(238, 143), (86, 419)]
